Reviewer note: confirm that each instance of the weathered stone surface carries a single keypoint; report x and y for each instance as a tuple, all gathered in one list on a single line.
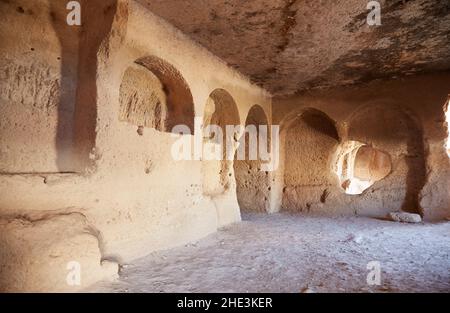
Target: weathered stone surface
[(292, 45), (67, 143), (87, 169), (57, 251)]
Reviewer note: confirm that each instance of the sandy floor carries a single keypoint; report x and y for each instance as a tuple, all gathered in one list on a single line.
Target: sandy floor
[(295, 253)]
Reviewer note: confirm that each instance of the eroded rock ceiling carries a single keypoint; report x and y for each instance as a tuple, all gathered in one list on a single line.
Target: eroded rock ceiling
[(287, 46)]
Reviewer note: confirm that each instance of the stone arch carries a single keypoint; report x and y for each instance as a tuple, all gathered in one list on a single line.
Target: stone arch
[(154, 94), (331, 126), (398, 133), (252, 184), (220, 110), (310, 139)]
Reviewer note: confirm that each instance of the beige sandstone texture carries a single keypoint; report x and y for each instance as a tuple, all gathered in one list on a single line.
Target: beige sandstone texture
[(403, 119), (87, 169), (288, 46), (70, 139), (286, 251)]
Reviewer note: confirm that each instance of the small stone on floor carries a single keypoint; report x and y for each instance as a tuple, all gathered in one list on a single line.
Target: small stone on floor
[(404, 217)]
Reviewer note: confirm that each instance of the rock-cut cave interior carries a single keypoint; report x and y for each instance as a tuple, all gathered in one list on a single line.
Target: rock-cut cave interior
[(224, 146)]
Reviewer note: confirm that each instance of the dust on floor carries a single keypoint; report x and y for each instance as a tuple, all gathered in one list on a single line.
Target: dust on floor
[(297, 253)]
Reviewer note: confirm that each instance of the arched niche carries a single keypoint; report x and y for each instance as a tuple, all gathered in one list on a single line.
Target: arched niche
[(253, 184), (154, 94), (220, 111), (310, 139), (396, 132)]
